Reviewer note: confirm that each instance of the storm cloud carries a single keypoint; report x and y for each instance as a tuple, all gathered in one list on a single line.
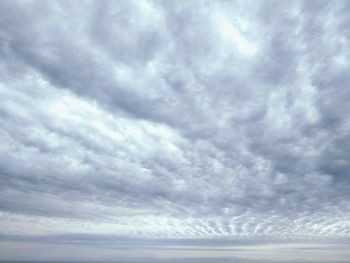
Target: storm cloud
[(174, 123)]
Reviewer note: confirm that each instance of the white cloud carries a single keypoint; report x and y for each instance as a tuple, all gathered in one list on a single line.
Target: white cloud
[(163, 120)]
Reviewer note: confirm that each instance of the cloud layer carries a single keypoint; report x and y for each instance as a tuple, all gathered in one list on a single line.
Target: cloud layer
[(208, 120)]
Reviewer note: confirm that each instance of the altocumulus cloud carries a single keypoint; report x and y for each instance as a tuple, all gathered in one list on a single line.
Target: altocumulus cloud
[(191, 126)]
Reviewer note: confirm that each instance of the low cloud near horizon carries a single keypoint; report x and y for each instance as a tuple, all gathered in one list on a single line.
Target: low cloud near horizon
[(166, 126)]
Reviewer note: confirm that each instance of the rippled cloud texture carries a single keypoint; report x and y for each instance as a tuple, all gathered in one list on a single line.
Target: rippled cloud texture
[(173, 130)]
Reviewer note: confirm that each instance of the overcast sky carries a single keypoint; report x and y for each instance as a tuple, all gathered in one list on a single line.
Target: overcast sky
[(172, 130)]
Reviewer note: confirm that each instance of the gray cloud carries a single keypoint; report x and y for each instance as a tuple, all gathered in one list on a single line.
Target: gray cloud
[(154, 119)]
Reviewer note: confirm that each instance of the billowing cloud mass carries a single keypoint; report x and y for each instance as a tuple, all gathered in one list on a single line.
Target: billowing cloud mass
[(205, 127)]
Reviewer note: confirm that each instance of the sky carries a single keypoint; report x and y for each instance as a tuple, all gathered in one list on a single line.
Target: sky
[(175, 131)]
